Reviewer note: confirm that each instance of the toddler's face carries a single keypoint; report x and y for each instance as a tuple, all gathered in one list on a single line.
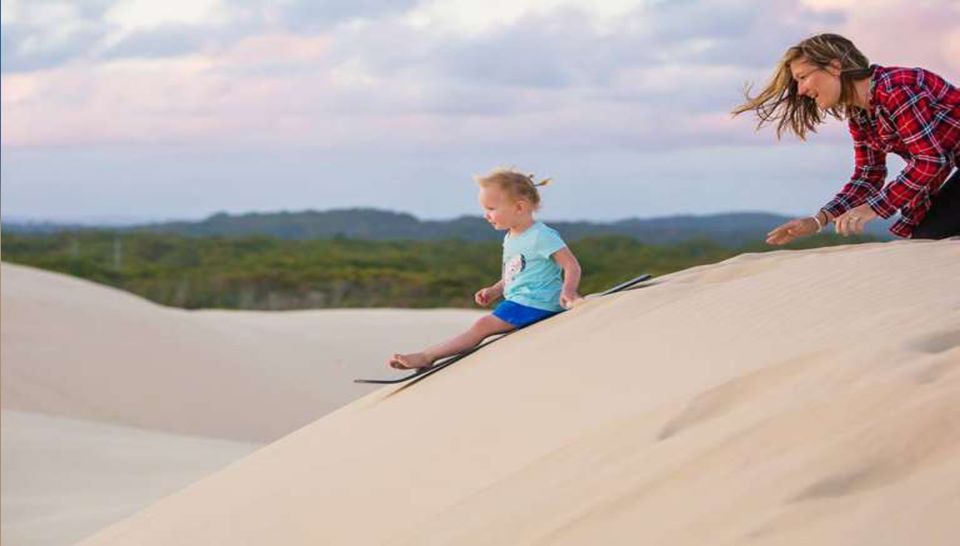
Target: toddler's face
[(499, 209)]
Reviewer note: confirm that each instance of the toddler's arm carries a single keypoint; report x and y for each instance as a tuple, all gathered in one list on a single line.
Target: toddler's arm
[(487, 295), (571, 276)]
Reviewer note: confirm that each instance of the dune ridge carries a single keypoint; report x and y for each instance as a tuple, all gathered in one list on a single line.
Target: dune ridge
[(79, 350)]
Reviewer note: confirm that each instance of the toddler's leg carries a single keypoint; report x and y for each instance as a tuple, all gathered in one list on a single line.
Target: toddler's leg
[(481, 329)]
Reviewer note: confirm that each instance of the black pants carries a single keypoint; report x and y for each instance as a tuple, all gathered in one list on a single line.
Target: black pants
[(943, 218)]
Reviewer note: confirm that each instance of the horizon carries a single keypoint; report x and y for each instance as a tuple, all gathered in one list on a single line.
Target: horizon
[(121, 221), (877, 229)]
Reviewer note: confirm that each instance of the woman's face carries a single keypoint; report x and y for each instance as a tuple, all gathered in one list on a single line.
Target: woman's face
[(820, 84)]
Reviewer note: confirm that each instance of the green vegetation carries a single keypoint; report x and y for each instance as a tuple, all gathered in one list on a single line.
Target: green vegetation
[(272, 273)]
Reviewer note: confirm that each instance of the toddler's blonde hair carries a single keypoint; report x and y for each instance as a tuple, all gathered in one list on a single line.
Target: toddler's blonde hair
[(516, 184)]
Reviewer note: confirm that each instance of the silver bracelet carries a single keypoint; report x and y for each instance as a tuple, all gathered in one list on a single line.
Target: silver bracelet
[(816, 218)]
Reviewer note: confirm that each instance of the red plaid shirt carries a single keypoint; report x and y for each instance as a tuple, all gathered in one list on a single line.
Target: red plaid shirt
[(915, 114)]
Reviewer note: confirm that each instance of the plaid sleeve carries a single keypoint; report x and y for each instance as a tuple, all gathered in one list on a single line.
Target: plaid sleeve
[(914, 114), (869, 173)]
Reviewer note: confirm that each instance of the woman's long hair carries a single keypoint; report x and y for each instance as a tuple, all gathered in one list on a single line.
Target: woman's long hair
[(779, 102)]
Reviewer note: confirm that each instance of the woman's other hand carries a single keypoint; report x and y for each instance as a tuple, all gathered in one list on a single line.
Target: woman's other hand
[(853, 221)]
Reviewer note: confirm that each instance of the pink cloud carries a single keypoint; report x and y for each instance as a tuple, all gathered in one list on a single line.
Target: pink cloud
[(908, 34), (214, 95)]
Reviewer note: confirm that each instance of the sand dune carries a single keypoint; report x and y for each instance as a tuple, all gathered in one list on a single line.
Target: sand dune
[(80, 350), (789, 398), (63, 479)]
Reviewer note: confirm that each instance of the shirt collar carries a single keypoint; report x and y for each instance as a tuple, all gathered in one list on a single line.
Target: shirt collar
[(865, 117)]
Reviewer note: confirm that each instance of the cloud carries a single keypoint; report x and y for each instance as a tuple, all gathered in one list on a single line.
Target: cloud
[(307, 16), (572, 73), (167, 40), (39, 35), (915, 34), (133, 15)]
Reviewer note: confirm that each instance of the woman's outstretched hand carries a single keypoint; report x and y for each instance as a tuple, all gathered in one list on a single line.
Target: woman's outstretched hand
[(794, 229)]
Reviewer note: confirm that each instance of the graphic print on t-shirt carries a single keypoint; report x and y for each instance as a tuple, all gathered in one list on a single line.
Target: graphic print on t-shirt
[(512, 268)]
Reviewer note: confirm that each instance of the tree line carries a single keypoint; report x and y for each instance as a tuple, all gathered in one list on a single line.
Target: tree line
[(260, 272)]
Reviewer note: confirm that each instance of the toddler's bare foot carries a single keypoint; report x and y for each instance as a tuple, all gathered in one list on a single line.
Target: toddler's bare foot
[(408, 361)]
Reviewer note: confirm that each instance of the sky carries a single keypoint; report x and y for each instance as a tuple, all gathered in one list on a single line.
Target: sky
[(127, 111)]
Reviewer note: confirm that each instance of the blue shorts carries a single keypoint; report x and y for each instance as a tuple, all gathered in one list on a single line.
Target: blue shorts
[(520, 315)]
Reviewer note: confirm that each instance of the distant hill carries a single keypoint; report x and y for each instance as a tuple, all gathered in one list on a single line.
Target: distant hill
[(373, 224)]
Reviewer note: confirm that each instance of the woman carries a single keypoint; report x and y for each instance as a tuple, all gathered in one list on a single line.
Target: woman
[(911, 112)]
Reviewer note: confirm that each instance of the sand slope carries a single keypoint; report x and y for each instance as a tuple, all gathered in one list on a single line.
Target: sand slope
[(81, 350), (63, 479), (786, 398)]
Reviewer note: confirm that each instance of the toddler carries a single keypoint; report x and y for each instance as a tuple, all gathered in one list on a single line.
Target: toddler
[(540, 275)]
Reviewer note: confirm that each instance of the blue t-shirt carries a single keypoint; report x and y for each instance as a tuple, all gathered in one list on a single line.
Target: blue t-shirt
[(530, 276)]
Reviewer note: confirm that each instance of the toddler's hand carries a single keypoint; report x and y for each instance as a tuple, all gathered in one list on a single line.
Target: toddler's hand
[(483, 297), (570, 299)]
